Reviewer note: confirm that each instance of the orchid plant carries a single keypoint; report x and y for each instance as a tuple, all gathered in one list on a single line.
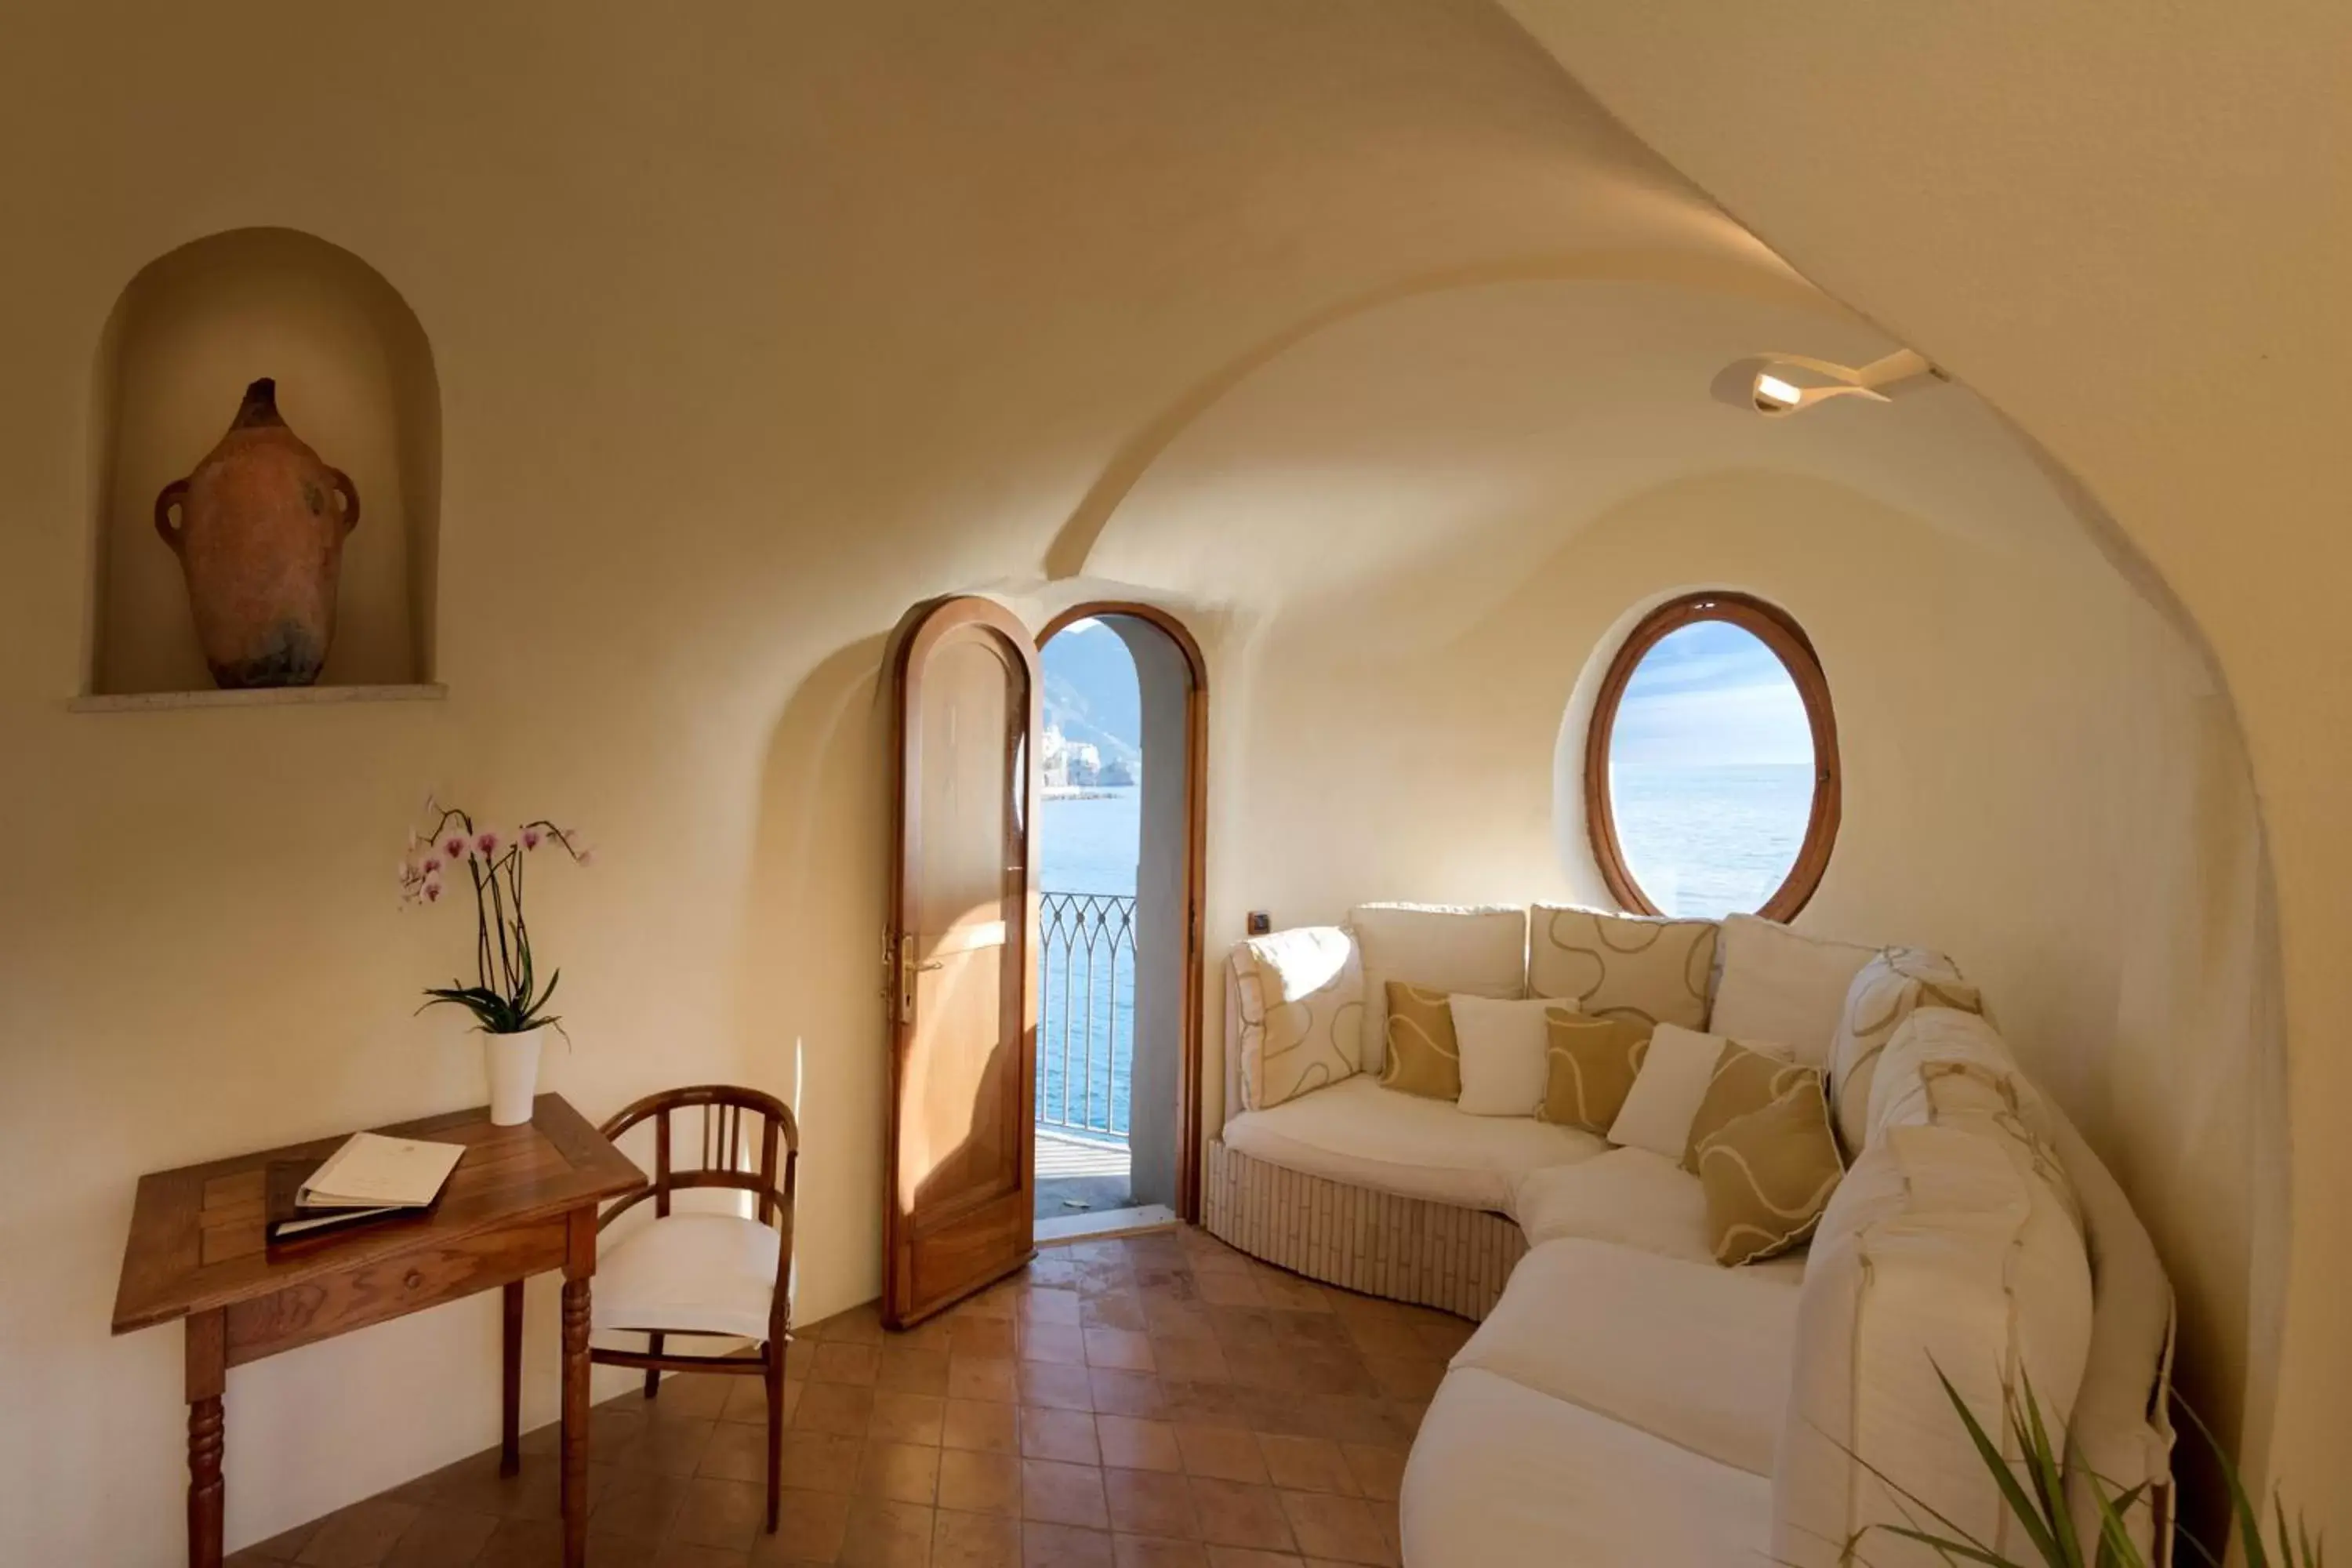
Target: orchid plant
[(506, 997)]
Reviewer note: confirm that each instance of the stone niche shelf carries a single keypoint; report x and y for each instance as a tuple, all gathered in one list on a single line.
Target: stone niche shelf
[(259, 697), (355, 380)]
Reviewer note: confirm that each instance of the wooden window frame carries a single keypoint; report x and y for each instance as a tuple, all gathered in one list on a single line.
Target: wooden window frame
[(1777, 630)]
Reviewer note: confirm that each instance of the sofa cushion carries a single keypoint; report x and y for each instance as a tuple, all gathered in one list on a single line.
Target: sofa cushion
[(1301, 998), (1423, 1056), (1667, 1091), (1884, 993), (1368, 1136), (1942, 1252), (1648, 970), (1745, 1078), (1784, 987), (1589, 1064), (1502, 1046), (1504, 1477), (1688, 1352), (1630, 1196), (1769, 1175), (1481, 951)]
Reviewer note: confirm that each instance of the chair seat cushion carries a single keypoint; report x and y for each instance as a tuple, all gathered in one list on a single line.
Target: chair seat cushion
[(1505, 1476), (1366, 1136), (689, 1274)]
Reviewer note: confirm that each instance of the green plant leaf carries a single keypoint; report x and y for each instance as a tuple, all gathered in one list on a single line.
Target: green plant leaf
[(2020, 1506)]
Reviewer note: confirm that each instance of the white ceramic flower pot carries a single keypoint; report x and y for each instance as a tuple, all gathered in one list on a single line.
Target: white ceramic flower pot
[(513, 1061)]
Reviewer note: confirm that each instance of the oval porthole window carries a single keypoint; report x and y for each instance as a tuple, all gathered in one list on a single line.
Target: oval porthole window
[(1711, 767)]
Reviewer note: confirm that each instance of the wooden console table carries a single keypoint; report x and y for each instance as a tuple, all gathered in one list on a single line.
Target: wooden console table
[(522, 1201)]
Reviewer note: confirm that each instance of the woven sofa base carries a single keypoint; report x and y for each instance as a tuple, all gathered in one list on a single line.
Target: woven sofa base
[(1406, 1250)]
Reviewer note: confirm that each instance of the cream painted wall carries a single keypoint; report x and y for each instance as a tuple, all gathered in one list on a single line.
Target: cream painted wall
[(753, 326), (2039, 780)]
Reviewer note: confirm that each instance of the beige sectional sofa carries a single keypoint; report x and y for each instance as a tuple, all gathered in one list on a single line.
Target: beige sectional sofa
[(1627, 1399)]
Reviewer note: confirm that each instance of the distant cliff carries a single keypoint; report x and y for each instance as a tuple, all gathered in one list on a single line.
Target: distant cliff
[(1091, 695)]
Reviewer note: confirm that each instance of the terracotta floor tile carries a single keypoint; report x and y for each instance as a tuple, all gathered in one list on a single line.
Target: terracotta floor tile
[(1307, 1465), (1123, 1311), (908, 1370), (1248, 1557), (287, 1546), (885, 1534), (627, 1552), (684, 1554), (986, 1337), (1441, 1336), (523, 1544), (1224, 1289), (1135, 1443), (359, 1536), (703, 1395), (1050, 1306), (1201, 1404), (986, 1428), (443, 1538), (822, 1462), (1221, 1453), (1148, 1503), (1201, 1359), (1379, 1469), (975, 1541), (747, 1400), (1063, 1494), (1126, 1393), (720, 1513), (1068, 1436), (979, 1483), (984, 1377), (907, 1417), (902, 1472), (846, 1361), (1400, 1377), (1065, 1344), (639, 1505), (861, 1325), (1055, 1387), (1232, 1513), (1157, 1552), (1344, 1529), (809, 1528), (842, 1409), (1064, 1546), (1121, 1350), (736, 1452)]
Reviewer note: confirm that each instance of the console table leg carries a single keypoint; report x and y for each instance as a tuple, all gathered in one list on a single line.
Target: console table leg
[(207, 1435), (510, 1409), (575, 1422)]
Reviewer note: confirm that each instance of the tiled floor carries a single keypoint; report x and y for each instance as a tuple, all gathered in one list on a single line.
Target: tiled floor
[(1147, 1403), (1077, 1177)]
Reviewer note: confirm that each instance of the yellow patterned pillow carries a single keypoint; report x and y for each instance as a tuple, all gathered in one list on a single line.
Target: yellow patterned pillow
[(1769, 1175), (1591, 1064), (1422, 1057), (1643, 970), (1745, 1079), (1889, 989)]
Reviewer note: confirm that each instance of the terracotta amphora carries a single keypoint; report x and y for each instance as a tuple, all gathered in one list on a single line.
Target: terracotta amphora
[(261, 538)]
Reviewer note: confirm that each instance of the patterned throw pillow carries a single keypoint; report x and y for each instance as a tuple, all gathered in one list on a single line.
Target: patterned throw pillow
[(1591, 1064), (1889, 989), (1746, 1079), (1621, 966), (1300, 994), (1422, 1057), (1769, 1175)]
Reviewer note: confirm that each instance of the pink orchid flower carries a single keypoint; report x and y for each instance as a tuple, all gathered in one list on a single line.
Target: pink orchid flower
[(533, 837), (489, 843), (453, 845), (430, 892)]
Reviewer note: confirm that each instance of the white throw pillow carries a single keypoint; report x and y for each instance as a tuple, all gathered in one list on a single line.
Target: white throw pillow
[(1780, 986), (1458, 952), (1504, 1048), (1667, 1091)]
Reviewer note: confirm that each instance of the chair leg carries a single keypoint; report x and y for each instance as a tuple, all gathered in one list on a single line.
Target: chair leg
[(653, 1374), (774, 1353)]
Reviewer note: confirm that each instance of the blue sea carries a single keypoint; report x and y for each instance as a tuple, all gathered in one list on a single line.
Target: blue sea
[(1710, 841), (1086, 846)]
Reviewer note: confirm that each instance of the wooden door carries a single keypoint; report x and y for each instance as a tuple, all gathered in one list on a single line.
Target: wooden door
[(963, 999)]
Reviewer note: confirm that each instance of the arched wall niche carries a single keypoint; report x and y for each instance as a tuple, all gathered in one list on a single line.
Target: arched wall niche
[(355, 380)]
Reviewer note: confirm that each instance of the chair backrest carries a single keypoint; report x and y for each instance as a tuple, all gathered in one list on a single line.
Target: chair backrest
[(723, 1150)]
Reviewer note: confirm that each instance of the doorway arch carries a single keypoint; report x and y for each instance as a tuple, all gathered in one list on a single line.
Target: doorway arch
[(1173, 679)]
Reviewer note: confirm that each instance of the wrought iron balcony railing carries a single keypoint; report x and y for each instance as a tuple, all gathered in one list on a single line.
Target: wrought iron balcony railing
[(1086, 1029)]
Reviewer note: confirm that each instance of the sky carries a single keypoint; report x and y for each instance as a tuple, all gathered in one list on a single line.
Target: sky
[(1710, 695)]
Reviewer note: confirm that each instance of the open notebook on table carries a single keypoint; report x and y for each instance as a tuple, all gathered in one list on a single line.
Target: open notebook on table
[(370, 1177)]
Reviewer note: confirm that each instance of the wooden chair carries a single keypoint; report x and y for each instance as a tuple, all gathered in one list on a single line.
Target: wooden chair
[(706, 1274)]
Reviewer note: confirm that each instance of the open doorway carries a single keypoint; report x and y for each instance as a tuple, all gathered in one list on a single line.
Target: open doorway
[(1117, 853)]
